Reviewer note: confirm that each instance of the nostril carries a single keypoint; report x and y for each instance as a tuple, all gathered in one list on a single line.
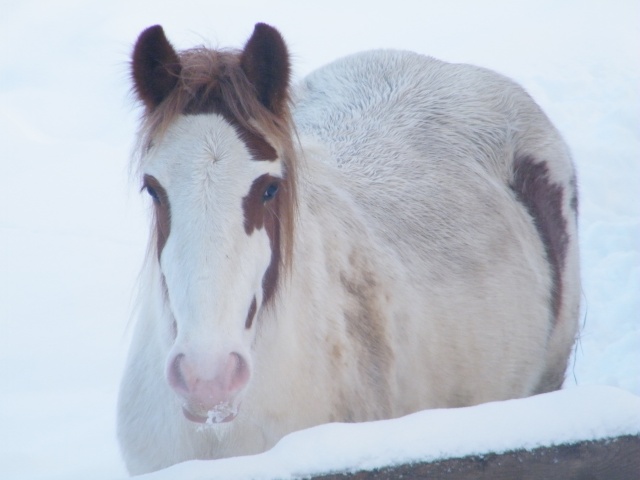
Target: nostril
[(176, 377)]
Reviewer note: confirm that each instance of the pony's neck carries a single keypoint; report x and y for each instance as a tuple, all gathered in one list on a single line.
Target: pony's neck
[(329, 226)]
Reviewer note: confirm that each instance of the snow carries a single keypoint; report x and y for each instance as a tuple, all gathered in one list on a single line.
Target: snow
[(219, 413), (73, 227), (567, 416)]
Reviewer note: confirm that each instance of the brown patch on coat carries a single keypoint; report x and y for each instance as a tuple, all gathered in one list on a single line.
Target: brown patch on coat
[(366, 325), (162, 210), (259, 214), (543, 200), (252, 313)]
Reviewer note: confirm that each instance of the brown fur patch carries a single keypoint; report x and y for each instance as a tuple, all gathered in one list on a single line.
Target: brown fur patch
[(259, 214), (162, 210), (366, 326), (251, 314), (543, 200)]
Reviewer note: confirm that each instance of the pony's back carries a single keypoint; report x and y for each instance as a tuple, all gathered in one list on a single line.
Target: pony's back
[(461, 173)]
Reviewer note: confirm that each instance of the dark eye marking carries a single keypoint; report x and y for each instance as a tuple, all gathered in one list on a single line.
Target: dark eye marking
[(261, 200), (162, 209), (262, 209)]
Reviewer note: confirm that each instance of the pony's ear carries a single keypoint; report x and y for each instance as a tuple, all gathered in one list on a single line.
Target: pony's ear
[(265, 62), (155, 67)]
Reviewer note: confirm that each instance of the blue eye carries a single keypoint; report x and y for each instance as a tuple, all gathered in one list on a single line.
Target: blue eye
[(152, 192), (270, 192), (154, 189)]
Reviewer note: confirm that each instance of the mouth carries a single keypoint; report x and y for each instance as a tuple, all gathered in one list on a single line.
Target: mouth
[(221, 413)]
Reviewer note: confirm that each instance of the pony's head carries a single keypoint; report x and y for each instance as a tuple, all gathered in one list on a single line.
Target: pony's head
[(216, 158)]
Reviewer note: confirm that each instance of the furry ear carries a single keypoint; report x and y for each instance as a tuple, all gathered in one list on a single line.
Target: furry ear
[(265, 62), (155, 67)]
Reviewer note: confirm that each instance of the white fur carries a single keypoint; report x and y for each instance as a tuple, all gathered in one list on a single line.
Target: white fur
[(418, 279)]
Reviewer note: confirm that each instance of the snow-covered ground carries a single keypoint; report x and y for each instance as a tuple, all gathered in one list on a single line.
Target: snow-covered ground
[(73, 227), (566, 416)]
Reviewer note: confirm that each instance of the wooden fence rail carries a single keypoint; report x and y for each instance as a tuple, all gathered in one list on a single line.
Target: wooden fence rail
[(610, 459)]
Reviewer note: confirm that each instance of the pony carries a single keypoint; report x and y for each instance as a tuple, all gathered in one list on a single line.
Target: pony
[(393, 233)]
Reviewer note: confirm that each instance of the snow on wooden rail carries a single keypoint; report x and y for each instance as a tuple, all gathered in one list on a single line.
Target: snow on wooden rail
[(585, 432)]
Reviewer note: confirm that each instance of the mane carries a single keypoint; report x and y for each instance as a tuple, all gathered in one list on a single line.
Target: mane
[(212, 81)]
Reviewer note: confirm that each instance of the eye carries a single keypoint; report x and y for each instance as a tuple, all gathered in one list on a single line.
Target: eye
[(152, 192), (154, 189), (270, 192)]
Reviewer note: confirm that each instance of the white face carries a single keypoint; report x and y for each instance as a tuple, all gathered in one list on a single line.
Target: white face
[(214, 200)]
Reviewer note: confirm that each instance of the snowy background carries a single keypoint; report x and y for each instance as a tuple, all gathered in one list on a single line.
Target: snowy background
[(73, 226)]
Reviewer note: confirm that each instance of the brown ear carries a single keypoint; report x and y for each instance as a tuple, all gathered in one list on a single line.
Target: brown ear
[(155, 67), (265, 62)]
